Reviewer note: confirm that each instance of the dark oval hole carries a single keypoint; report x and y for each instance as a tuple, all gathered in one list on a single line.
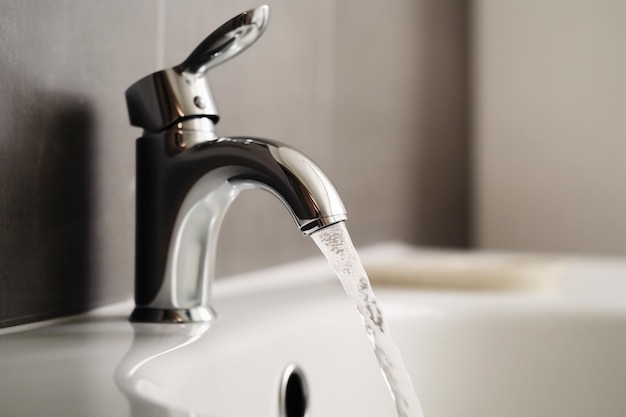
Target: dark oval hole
[(294, 393)]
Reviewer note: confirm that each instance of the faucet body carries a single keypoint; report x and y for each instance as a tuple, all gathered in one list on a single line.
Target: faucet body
[(186, 180), (187, 177)]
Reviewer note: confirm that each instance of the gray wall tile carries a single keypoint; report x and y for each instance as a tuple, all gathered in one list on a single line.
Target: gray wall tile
[(66, 153)]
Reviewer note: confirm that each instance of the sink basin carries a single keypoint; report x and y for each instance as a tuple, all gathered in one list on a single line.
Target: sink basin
[(486, 353)]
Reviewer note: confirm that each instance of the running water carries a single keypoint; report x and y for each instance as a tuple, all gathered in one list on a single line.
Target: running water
[(334, 241)]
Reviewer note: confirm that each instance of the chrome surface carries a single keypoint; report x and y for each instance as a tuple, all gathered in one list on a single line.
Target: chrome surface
[(189, 133), (171, 315), (187, 177), (230, 39), (162, 98)]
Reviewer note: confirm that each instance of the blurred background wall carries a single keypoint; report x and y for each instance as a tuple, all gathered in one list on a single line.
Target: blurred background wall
[(549, 107), (442, 123)]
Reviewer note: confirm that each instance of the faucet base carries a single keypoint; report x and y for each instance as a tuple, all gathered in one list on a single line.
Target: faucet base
[(167, 315)]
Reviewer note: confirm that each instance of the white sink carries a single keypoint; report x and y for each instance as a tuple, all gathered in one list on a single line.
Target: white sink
[(470, 353)]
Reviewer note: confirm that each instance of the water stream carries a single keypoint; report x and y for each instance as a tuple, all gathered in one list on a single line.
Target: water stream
[(334, 241)]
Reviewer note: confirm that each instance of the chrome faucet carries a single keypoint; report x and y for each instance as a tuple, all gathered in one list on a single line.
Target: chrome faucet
[(187, 177)]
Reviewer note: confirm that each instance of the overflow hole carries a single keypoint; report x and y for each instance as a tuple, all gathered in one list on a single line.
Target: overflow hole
[(293, 392)]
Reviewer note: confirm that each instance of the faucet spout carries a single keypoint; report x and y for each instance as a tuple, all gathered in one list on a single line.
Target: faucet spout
[(184, 190)]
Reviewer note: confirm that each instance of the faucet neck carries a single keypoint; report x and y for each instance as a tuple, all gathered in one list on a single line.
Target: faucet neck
[(187, 133), (182, 197)]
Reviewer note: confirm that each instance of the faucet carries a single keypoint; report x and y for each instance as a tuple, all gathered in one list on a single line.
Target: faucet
[(187, 177)]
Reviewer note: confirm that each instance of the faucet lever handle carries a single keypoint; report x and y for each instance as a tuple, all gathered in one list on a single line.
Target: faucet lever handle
[(159, 100), (227, 41)]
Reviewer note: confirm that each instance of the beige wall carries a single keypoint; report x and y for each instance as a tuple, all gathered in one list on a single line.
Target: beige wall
[(550, 125)]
